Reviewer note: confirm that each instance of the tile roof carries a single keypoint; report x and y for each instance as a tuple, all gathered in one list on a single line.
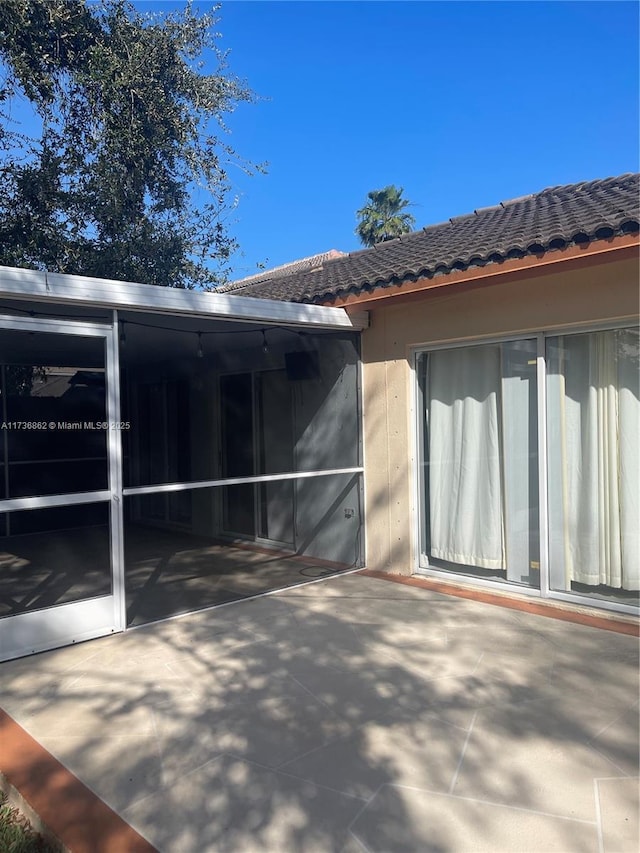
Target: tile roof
[(303, 265), (544, 221)]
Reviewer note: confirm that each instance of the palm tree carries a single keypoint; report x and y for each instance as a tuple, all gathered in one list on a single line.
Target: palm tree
[(382, 218)]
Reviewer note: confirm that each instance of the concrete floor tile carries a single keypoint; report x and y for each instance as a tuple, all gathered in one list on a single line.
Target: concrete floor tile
[(348, 685), (474, 692), (514, 669), (72, 714), (93, 759), (358, 697), (619, 801), (619, 741), (424, 753), (398, 635), (350, 585), (209, 644), (587, 680), (233, 805), (430, 660), (268, 731), (405, 820), (22, 691), (56, 661), (246, 675), (323, 635), (524, 756), (591, 710)]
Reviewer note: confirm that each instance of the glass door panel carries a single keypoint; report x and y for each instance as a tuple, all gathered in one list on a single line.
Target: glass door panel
[(162, 453), (275, 455), (236, 401), (593, 424), (480, 480), (257, 439)]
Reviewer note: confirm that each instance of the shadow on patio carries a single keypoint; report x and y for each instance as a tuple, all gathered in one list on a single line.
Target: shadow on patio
[(349, 715)]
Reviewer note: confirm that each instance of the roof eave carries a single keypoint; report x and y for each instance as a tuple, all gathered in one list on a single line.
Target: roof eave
[(597, 251)]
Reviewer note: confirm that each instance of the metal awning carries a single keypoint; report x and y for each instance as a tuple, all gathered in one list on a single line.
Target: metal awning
[(106, 293)]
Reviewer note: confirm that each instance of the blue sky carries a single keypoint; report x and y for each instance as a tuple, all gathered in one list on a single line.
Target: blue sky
[(462, 104)]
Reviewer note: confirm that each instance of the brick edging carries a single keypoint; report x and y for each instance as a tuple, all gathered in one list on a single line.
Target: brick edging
[(538, 608), (71, 812)]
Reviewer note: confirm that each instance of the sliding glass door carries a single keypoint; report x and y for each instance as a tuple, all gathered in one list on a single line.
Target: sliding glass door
[(593, 426), (257, 439), (480, 417), (479, 473)]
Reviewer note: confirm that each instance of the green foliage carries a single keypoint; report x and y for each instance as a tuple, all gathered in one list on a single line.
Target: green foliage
[(382, 217), (17, 836), (127, 178)]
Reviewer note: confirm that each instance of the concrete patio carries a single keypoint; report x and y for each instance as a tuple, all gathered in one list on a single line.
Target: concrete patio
[(349, 715)]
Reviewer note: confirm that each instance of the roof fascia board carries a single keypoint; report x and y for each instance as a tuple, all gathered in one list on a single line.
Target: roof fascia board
[(573, 257), (79, 290)]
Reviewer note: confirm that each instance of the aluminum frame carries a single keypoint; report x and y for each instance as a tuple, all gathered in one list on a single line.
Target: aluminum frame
[(417, 490), (105, 293), (235, 481), (48, 627), (41, 288)]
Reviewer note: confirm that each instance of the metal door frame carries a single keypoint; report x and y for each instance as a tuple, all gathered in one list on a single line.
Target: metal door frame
[(64, 624)]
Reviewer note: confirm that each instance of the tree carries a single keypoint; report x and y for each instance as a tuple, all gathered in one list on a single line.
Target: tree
[(126, 175), (382, 218)]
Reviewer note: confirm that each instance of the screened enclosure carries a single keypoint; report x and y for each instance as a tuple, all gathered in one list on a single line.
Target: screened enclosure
[(158, 462), (241, 461)]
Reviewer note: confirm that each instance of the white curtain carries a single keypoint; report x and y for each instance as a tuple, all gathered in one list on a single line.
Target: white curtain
[(465, 480), (594, 430)]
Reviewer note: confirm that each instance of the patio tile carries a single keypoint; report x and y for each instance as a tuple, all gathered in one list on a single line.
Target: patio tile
[(431, 613), (590, 709), (261, 726), (233, 805), (23, 691), (86, 716), (423, 752), (358, 697), (515, 668), (386, 632), (620, 677), (619, 741), (58, 660), (619, 801), (402, 819), (208, 638), (269, 731), (526, 756), (241, 674), (432, 658), (327, 635), (476, 691), (270, 612), (93, 759)]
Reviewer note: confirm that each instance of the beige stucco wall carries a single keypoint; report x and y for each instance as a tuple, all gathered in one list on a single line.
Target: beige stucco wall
[(601, 293)]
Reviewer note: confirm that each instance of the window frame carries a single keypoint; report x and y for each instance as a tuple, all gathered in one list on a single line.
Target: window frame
[(420, 559)]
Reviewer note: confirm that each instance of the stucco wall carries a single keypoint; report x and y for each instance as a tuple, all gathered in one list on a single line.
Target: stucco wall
[(600, 293)]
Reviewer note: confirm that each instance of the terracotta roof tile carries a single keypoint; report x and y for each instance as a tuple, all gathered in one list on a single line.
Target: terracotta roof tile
[(544, 221), (310, 264)]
